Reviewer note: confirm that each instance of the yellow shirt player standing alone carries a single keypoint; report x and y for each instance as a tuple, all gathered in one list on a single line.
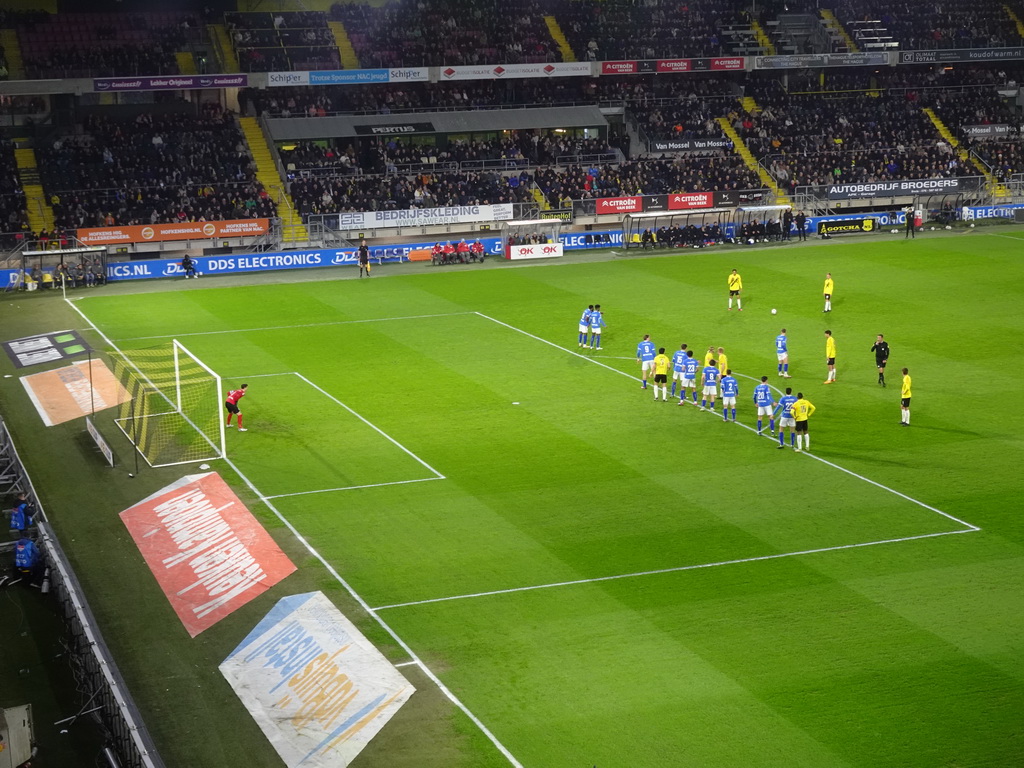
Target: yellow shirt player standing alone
[(829, 286), (723, 362), (802, 410), (661, 368), (830, 357), (905, 399), (735, 286)]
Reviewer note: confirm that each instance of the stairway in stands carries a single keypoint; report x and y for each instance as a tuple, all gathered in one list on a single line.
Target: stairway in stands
[(762, 38), (186, 63), (560, 39), (349, 60), (834, 25), (741, 149), (222, 43), (12, 52), (1017, 22), (40, 214), (292, 228), (997, 189)]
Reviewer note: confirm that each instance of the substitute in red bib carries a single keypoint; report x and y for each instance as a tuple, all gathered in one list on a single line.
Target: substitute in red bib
[(232, 405)]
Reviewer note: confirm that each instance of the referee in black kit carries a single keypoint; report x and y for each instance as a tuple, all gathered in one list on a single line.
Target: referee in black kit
[(364, 259), (881, 350)]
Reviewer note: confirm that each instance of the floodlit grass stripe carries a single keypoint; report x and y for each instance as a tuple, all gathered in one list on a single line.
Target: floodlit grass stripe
[(969, 527), (338, 577), (354, 487), (658, 571), (324, 324), (371, 425)]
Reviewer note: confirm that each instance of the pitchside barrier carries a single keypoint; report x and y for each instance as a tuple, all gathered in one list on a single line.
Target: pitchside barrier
[(103, 690), (332, 257)]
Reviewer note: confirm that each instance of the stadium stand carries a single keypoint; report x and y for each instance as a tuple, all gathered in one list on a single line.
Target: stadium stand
[(151, 169), (103, 44), (13, 216), (284, 40), (448, 32), (876, 25)]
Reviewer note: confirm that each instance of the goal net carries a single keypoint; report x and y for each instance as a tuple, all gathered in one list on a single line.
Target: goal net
[(173, 413)]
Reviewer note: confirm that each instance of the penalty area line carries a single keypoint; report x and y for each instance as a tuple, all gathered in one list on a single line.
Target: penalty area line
[(445, 690), (355, 487), (658, 571)]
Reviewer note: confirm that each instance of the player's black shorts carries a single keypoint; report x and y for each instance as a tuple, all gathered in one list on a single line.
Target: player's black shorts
[(831, 360), (905, 402), (660, 378), (734, 293), (801, 426), (232, 407), (880, 363), (828, 296)]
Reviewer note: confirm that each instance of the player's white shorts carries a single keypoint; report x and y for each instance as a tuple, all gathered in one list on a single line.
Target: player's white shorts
[(765, 410), (596, 331), (711, 390), (584, 327), (784, 422), (782, 356), (647, 366), (690, 383), (728, 402)]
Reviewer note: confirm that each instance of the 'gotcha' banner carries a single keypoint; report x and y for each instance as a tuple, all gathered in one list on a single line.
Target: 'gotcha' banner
[(206, 550), (169, 83), (643, 66), (189, 230), (316, 687), (516, 71)]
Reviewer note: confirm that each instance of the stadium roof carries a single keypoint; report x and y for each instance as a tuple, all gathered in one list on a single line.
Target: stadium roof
[(308, 128)]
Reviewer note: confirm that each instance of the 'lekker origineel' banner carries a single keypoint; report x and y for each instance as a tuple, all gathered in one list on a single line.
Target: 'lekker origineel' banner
[(206, 550), (188, 230)]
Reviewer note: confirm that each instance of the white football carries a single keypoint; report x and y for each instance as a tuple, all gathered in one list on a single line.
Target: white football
[(895, 231), (774, 311)]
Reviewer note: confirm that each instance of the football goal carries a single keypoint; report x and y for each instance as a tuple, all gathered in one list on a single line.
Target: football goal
[(173, 411)]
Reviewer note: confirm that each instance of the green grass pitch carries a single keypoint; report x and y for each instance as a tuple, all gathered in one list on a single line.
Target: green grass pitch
[(599, 578)]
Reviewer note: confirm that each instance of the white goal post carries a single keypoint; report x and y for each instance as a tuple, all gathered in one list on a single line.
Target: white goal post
[(172, 411)]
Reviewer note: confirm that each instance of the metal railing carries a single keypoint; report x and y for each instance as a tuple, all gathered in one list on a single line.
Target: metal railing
[(106, 695)]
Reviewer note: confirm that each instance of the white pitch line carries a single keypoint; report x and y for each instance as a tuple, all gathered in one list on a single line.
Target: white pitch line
[(407, 664), (969, 526), (676, 569), (348, 588), (371, 425), (1008, 237), (356, 487), (299, 325)]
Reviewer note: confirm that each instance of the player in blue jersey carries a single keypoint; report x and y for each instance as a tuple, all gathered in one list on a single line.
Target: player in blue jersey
[(645, 356), (782, 352), (709, 376), (585, 325), (730, 389), (765, 405), (678, 365), (787, 421), (596, 324), (690, 366)]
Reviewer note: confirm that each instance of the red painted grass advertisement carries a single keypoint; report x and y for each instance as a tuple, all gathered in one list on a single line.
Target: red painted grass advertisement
[(206, 550)]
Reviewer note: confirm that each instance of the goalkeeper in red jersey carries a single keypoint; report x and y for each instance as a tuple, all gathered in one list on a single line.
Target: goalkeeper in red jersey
[(232, 405)]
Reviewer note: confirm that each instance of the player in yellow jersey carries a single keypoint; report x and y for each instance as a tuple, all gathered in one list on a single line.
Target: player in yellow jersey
[(735, 286), (905, 399), (662, 365), (709, 356), (723, 362), (802, 410), (829, 286), (830, 357)]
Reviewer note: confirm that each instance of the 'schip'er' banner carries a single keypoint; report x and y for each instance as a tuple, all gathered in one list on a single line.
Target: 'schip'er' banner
[(208, 553), (189, 230)]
